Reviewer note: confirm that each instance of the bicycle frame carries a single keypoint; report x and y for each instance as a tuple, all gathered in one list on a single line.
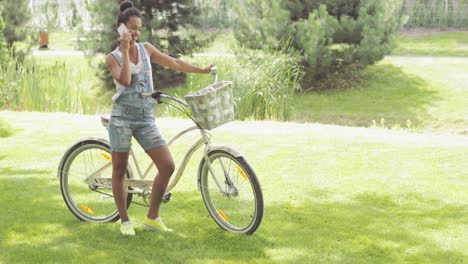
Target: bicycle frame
[(181, 168), (139, 182), (141, 185), (202, 140)]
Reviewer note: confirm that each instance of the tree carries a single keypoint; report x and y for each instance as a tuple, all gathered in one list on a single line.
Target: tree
[(173, 21), (215, 13), (3, 62), (50, 15), (330, 34), (166, 24), (3, 46), (73, 19), (438, 13), (16, 16)]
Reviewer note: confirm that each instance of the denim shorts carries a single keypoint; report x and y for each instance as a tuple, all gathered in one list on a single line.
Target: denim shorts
[(126, 122)]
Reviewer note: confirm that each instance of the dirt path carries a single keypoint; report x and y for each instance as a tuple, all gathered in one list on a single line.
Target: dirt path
[(57, 53)]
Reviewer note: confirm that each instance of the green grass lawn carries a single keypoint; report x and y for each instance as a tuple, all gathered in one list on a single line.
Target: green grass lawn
[(432, 43), (61, 40), (57, 41), (417, 93), (332, 195)]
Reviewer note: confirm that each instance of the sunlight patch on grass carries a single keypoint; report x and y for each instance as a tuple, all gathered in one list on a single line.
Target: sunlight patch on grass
[(451, 237), (290, 255), (399, 93), (224, 42), (453, 43), (35, 235)]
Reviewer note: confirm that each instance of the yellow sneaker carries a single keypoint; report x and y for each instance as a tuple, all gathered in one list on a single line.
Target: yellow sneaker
[(156, 225), (126, 229)]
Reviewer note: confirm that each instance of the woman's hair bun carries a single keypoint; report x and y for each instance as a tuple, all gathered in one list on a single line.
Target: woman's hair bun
[(125, 4)]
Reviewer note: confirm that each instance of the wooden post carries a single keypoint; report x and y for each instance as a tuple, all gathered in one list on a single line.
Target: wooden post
[(43, 39)]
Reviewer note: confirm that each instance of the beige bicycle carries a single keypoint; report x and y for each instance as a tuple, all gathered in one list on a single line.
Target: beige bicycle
[(229, 187)]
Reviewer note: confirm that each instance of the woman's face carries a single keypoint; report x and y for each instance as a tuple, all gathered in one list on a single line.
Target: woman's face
[(134, 27)]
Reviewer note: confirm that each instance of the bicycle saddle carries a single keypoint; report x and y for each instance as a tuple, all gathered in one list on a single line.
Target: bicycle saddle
[(105, 120)]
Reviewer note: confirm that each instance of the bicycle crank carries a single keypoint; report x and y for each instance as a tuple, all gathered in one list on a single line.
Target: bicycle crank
[(166, 197)]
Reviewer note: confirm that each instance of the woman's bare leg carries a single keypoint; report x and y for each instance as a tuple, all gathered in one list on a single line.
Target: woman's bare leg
[(162, 157), (119, 168)]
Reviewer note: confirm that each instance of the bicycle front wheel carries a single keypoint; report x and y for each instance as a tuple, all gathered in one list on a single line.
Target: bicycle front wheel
[(89, 200), (231, 192)]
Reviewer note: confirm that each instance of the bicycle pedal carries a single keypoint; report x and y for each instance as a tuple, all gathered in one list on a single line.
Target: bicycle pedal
[(166, 197)]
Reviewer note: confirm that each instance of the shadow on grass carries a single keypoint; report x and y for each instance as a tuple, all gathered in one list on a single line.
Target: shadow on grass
[(40, 228), (369, 228), (385, 92), (374, 228)]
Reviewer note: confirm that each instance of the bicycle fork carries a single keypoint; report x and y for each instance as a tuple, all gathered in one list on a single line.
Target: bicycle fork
[(232, 191)]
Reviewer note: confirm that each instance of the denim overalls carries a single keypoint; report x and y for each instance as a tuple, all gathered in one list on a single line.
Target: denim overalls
[(132, 114)]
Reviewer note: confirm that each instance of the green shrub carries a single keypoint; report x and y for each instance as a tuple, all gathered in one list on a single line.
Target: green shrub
[(330, 34), (5, 129), (260, 24), (16, 16)]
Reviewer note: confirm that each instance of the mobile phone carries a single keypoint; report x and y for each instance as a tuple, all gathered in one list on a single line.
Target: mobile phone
[(121, 29)]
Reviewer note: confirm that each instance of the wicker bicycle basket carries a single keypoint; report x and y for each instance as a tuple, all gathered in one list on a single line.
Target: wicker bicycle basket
[(212, 106)]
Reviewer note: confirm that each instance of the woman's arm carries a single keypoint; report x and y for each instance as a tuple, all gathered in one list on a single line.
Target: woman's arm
[(173, 63), (121, 73)]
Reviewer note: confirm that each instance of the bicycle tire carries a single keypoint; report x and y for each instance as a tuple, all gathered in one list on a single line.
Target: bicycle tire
[(232, 210), (87, 202)]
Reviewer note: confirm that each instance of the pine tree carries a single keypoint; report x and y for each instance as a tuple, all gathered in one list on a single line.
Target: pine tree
[(261, 24), (16, 15), (330, 34), (172, 17)]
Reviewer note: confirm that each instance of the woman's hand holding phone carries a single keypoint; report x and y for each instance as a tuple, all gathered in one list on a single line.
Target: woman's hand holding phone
[(121, 29), (125, 36)]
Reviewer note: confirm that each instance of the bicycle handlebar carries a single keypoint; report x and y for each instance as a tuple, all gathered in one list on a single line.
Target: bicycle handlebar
[(158, 94), (214, 72)]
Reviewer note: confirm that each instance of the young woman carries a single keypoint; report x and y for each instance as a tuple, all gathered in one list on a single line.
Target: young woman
[(132, 115)]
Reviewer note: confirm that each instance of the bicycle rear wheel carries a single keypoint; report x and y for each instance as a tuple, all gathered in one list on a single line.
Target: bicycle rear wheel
[(89, 201), (231, 192)]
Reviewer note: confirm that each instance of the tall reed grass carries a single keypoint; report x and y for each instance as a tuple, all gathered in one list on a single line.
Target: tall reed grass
[(54, 85), (263, 83)]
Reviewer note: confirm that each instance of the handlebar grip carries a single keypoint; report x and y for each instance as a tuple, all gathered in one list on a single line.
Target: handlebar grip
[(214, 72), (156, 95)]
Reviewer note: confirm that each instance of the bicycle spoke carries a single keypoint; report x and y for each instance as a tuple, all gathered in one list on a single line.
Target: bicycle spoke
[(87, 200), (234, 206)]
